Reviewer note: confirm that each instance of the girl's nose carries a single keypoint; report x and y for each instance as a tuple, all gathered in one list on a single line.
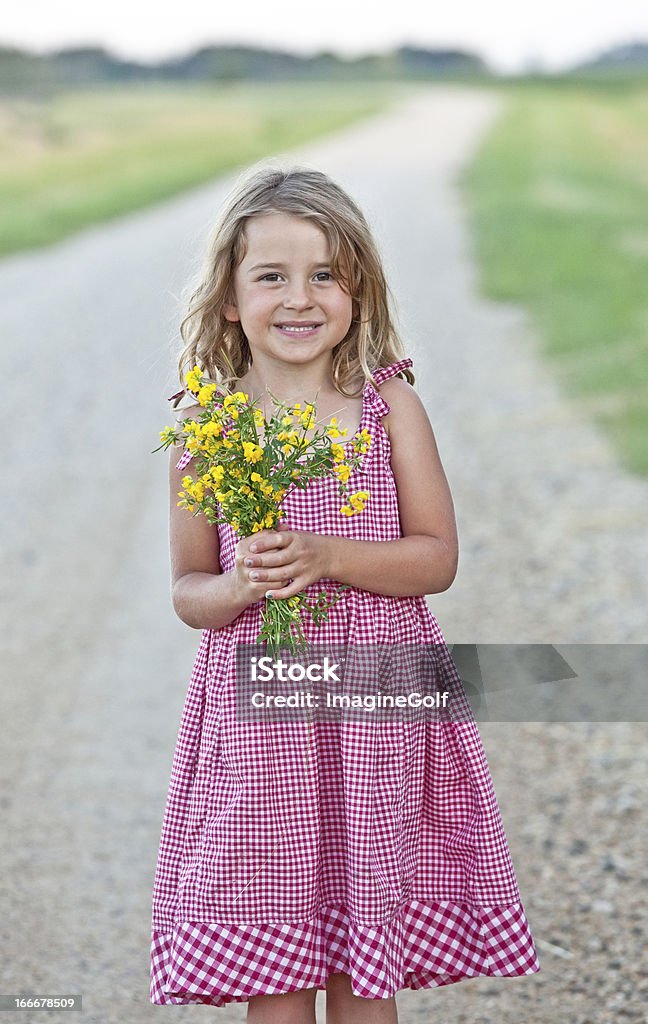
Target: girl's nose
[(298, 297)]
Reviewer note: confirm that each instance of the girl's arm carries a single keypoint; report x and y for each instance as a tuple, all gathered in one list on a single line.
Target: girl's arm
[(422, 561), (203, 596)]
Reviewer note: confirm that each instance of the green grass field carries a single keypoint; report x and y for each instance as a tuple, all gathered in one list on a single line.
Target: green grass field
[(86, 156), (558, 199)]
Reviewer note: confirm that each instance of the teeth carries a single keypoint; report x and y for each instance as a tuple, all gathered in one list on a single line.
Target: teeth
[(297, 330)]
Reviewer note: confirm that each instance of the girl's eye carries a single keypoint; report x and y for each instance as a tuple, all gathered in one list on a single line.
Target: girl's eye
[(323, 275)]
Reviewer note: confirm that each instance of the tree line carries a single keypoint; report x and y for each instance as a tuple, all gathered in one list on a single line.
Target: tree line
[(24, 72)]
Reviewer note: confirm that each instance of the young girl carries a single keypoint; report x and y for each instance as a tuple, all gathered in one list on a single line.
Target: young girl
[(379, 863)]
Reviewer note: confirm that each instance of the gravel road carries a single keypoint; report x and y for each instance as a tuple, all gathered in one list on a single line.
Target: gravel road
[(553, 551)]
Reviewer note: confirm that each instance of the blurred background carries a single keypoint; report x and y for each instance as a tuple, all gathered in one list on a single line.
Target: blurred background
[(501, 156), (103, 113)]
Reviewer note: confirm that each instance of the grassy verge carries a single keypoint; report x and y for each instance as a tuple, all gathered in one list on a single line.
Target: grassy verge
[(557, 195), (86, 156)]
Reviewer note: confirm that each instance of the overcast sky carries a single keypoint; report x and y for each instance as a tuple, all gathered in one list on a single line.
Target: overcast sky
[(509, 34)]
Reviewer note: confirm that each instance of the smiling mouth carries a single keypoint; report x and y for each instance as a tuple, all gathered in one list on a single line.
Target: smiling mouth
[(305, 328)]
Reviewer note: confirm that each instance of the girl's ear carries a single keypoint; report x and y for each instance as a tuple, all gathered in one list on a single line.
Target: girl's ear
[(230, 312)]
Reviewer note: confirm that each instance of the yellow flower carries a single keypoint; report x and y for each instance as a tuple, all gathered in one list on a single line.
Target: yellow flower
[(256, 477), (196, 490), (187, 481), (358, 499), (307, 418), (252, 452), (342, 472), (286, 421), (362, 441), (206, 393), (337, 451), (258, 418), (269, 520), (212, 429), (193, 378), (167, 434), (233, 400), (333, 430), (356, 503)]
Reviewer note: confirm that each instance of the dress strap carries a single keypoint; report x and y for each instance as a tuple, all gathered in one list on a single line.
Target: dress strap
[(176, 398), (184, 459), (375, 399), (385, 372)]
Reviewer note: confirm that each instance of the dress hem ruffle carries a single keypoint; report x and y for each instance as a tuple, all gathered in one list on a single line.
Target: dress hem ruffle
[(425, 945)]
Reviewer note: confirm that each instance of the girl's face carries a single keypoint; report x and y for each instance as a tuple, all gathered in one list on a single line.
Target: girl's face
[(289, 305)]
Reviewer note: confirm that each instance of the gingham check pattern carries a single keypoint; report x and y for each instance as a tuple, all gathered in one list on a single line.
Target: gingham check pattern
[(383, 856)]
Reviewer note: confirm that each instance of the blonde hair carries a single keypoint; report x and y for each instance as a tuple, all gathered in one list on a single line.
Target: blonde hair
[(220, 347)]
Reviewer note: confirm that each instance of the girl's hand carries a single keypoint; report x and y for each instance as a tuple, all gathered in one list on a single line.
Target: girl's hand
[(247, 589), (285, 561)]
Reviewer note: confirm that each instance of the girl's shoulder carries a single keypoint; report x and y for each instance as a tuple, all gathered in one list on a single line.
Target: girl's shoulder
[(395, 387), (394, 391), (405, 410), (390, 392)]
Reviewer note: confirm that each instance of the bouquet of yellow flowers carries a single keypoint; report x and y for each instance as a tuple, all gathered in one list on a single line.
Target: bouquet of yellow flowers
[(242, 479)]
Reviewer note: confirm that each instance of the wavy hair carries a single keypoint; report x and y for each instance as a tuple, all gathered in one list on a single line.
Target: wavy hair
[(221, 348)]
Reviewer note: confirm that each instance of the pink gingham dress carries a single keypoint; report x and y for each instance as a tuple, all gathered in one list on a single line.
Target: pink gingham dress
[(386, 859)]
